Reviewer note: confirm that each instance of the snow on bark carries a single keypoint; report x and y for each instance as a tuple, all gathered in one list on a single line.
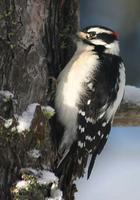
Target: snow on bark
[(129, 112), (132, 95), (24, 121), (39, 179)]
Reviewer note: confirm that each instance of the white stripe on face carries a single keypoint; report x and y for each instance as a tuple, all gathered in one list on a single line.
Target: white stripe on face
[(99, 30)]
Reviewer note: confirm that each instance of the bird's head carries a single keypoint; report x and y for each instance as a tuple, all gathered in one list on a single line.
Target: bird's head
[(104, 37)]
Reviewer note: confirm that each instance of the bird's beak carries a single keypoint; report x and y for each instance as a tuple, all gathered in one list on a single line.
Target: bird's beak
[(82, 35)]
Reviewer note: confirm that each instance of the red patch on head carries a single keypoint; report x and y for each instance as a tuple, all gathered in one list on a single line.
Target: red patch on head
[(115, 35)]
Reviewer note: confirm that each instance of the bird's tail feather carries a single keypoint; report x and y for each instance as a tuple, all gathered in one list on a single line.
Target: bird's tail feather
[(65, 161), (91, 164), (68, 168)]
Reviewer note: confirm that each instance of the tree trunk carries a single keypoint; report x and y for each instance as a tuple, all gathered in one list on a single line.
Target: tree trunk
[(36, 42)]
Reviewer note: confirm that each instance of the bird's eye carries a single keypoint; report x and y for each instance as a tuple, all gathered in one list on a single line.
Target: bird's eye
[(91, 35)]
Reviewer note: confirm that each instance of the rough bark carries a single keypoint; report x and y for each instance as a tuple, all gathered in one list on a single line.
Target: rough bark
[(35, 37), (23, 59), (36, 42)]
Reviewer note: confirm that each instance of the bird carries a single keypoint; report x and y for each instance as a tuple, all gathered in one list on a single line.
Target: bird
[(89, 91)]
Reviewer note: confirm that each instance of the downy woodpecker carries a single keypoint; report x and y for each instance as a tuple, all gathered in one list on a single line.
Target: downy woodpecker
[(90, 89)]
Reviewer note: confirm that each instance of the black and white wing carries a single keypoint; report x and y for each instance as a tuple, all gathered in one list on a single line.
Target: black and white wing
[(97, 107)]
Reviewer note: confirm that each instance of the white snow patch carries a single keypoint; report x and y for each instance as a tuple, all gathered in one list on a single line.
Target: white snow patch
[(47, 177), (7, 94), (56, 194), (8, 123), (34, 153), (48, 109), (25, 119), (22, 184), (44, 177), (132, 95)]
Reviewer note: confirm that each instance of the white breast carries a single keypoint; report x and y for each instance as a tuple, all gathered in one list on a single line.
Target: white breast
[(70, 87)]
